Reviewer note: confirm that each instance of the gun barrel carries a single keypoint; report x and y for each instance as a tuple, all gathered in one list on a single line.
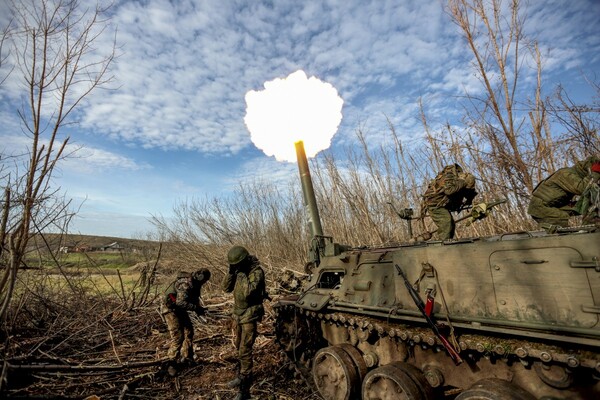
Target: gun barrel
[(489, 205), (496, 202), (310, 201)]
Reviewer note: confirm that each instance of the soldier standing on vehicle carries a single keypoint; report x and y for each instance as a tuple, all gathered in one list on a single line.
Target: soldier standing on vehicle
[(552, 201), (246, 279), (451, 190), (181, 296)]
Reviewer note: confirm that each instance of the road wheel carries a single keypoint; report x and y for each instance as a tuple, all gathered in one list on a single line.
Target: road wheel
[(335, 374), (392, 382)]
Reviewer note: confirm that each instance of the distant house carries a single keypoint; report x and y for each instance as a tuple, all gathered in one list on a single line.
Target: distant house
[(115, 246), (82, 248), (66, 249)]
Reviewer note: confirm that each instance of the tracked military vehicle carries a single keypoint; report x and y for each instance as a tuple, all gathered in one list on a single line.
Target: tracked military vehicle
[(513, 316)]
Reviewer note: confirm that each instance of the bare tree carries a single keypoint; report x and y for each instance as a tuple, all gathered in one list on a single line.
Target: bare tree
[(3, 55), (581, 123), (513, 124), (49, 49)]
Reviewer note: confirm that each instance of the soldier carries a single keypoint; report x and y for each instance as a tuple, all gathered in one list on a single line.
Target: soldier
[(451, 190), (181, 296), (247, 281), (552, 203)]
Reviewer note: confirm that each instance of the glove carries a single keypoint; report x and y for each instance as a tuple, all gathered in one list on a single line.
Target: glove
[(479, 211), (200, 311)]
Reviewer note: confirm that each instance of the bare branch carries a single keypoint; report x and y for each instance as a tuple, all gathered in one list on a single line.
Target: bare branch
[(54, 55)]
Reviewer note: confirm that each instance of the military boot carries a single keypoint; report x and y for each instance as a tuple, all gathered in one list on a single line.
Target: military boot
[(235, 382), (172, 369), (244, 388), (548, 227)]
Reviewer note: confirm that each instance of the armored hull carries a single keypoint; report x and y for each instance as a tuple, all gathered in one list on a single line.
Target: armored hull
[(520, 310)]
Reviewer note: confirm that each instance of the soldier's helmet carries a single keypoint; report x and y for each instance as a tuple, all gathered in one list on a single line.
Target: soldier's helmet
[(237, 254), (202, 275)]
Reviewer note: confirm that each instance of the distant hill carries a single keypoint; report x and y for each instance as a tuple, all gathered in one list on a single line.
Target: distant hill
[(56, 240)]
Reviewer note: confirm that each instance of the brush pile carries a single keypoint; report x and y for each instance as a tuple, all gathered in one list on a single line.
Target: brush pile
[(99, 350)]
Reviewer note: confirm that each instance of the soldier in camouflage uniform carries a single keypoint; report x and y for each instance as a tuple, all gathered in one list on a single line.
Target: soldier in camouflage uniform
[(246, 280), (181, 296), (552, 202), (451, 190)]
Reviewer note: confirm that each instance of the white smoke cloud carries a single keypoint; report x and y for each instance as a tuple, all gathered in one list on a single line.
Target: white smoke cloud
[(292, 109)]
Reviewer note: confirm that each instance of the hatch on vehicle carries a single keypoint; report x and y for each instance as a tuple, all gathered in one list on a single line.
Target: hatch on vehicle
[(539, 286), (330, 279)]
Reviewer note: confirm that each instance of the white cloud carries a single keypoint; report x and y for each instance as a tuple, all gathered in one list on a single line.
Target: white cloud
[(458, 81), (76, 157), (266, 169), (86, 159), (184, 87), (185, 66)]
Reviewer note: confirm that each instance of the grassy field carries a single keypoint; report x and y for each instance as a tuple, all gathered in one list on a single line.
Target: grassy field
[(99, 259), (75, 280), (99, 273), (104, 260), (93, 273)]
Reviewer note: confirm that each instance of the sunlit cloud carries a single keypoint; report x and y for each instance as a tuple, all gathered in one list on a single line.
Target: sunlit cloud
[(184, 67)]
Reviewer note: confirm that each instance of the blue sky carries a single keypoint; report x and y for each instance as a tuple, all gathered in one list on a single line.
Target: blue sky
[(173, 127)]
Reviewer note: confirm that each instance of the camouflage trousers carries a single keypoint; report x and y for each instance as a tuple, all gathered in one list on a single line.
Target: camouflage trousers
[(245, 335), (544, 214), (181, 331), (444, 221)]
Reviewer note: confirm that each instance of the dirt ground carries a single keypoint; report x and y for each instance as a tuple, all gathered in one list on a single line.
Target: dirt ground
[(124, 357), (274, 377)]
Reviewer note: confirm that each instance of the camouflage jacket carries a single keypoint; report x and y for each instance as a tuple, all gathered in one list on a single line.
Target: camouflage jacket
[(249, 292), (559, 188), (183, 294), (448, 189)]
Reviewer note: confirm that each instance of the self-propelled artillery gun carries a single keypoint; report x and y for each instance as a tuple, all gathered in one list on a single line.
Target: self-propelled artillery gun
[(512, 316)]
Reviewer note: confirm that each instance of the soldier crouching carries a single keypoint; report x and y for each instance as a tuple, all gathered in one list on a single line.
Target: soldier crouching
[(552, 201), (181, 296)]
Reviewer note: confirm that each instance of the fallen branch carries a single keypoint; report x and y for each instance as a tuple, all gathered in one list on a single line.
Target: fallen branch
[(50, 367)]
